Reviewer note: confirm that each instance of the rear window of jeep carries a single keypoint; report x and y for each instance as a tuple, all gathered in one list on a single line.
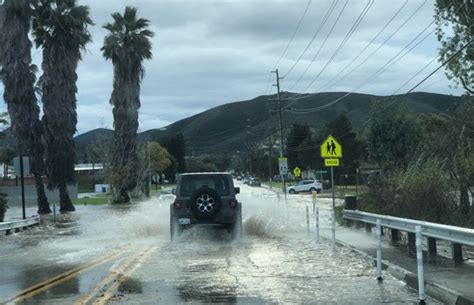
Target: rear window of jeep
[(189, 184)]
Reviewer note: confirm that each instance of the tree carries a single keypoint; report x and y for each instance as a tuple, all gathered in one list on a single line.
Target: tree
[(297, 135), (354, 148), (451, 138), (60, 27), (153, 159), (393, 136), (455, 29), (18, 76), (177, 148), (127, 45)]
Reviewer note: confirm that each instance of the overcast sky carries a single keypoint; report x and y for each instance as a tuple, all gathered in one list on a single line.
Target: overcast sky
[(208, 53)]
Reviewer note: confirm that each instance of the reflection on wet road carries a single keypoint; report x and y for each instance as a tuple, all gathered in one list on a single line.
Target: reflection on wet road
[(275, 263)]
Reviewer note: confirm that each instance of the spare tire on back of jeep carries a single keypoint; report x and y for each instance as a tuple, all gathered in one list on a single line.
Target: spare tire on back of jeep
[(205, 203)]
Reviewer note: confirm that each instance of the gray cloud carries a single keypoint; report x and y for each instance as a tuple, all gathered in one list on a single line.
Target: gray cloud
[(207, 53)]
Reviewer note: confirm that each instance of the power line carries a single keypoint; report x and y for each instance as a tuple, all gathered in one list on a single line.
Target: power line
[(295, 99), (344, 41), (294, 34), (370, 56), (442, 65), (381, 70), (321, 25), (322, 45), (366, 46)]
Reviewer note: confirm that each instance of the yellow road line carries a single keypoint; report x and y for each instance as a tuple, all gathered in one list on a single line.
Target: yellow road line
[(110, 277), (59, 279), (110, 292)]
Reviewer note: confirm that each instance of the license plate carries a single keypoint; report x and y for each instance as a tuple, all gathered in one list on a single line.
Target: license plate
[(184, 221)]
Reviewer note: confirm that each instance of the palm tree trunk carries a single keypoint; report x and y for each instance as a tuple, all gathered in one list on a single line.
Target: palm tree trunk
[(43, 204), (64, 200)]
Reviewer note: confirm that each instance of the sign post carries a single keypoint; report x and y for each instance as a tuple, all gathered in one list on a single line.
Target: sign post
[(22, 168), (331, 152), (283, 166)]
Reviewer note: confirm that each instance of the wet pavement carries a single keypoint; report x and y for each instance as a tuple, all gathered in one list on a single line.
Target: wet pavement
[(113, 255)]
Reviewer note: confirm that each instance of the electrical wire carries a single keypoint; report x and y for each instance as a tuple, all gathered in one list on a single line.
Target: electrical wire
[(321, 25), (366, 46), (294, 34), (371, 55), (344, 41)]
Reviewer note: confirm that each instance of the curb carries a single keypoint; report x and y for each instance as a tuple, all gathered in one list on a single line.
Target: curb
[(437, 291)]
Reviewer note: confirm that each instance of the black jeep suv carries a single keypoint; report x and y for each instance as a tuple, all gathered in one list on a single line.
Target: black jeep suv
[(206, 199)]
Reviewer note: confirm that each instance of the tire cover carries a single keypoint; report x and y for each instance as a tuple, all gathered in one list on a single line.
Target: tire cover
[(205, 203)]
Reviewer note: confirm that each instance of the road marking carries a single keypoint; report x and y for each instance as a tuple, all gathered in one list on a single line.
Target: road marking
[(112, 289), (59, 279), (111, 277)]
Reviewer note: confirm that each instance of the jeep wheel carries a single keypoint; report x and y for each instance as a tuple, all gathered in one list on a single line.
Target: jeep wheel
[(313, 190), (205, 203), (292, 191)]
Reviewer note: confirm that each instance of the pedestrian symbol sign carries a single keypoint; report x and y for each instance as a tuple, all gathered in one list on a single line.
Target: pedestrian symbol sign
[(331, 148), (297, 171)]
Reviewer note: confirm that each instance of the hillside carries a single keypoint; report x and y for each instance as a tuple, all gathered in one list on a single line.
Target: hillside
[(228, 127)]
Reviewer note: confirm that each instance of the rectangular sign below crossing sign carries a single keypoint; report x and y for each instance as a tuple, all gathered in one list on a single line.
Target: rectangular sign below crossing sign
[(331, 162), (283, 166)]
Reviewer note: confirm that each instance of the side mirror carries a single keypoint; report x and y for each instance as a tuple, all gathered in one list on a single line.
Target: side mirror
[(173, 191), (237, 190)]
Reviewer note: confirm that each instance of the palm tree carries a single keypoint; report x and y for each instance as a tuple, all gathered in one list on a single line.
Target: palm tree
[(127, 45), (60, 27), (19, 77)]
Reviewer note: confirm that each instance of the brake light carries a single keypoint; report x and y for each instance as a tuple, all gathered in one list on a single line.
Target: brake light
[(177, 204), (233, 203)]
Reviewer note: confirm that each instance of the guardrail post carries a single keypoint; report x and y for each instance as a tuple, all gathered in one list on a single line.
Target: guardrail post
[(368, 227), (395, 235), (457, 253), (307, 219), (432, 245), (411, 243), (419, 261), (378, 234), (317, 223)]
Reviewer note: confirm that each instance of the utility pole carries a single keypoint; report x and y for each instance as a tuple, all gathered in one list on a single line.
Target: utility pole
[(280, 114)]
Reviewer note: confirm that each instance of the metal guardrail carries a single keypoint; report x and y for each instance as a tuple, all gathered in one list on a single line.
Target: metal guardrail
[(458, 235), (18, 224)]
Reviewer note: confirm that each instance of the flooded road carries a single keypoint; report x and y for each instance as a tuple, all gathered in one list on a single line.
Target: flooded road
[(110, 255)]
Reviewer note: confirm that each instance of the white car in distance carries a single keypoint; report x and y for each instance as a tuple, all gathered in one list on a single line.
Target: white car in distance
[(306, 186)]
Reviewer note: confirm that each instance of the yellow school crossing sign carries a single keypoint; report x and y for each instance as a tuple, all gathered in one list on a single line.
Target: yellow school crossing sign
[(297, 171), (331, 150)]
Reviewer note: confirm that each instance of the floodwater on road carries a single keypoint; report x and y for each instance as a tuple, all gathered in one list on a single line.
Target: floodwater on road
[(276, 262)]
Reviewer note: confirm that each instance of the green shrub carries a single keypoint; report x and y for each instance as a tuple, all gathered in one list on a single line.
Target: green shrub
[(422, 192), (339, 214)]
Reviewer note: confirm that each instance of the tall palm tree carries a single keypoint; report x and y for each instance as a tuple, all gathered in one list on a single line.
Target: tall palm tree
[(60, 27), (127, 45), (19, 77)]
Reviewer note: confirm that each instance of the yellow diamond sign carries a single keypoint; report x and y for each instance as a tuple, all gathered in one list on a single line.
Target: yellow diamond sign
[(297, 171), (331, 148)]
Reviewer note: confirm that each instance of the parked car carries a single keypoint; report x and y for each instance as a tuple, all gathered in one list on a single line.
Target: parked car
[(306, 186), (206, 199), (255, 182)]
